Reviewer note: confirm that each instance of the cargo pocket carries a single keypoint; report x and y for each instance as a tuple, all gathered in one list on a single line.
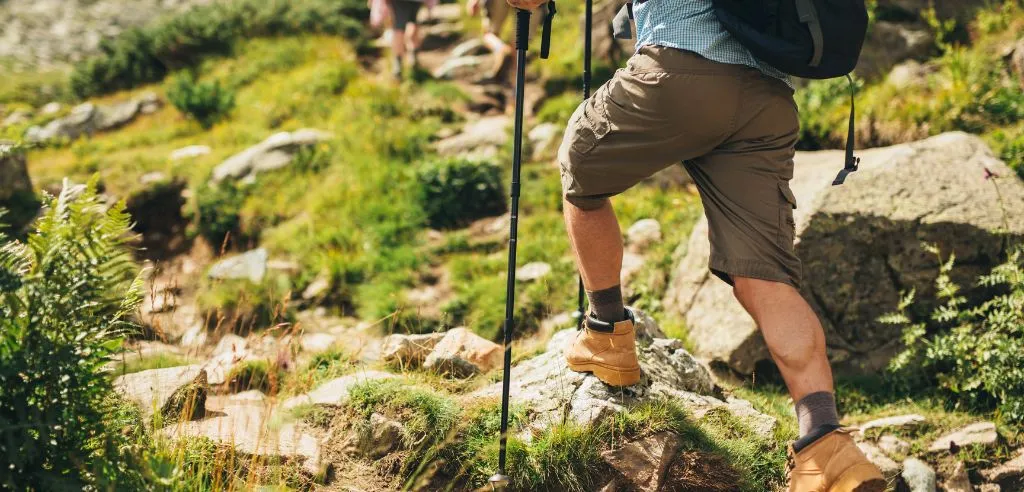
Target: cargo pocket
[(592, 122), (787, 225)]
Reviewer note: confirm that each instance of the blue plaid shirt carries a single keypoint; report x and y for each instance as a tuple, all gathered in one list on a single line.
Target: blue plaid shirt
[(692, 25)]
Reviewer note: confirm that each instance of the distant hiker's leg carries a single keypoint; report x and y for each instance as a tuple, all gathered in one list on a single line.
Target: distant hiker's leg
[(397, 51), (793, 334), (412, 40), (495, 14)]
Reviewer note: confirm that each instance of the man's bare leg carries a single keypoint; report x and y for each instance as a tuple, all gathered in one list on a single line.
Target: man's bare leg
[(792, 332), (597, 241)]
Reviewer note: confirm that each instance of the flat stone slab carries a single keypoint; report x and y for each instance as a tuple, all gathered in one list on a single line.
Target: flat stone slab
[(899, 421), (335, 391), (979, 434)]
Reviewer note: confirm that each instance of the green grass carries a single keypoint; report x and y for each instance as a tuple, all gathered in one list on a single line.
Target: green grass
[(157, 361), (333, 363)]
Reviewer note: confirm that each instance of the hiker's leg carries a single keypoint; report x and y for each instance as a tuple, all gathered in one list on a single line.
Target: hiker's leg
[(792, 332), (412, 36), (397, 42), (597, 242)]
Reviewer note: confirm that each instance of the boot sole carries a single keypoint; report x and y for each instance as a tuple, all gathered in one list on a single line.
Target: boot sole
[(608, 375), (852, 484)]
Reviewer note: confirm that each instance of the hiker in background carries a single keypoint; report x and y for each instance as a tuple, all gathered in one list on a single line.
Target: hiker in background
[(495, 14), (405, 36), (694, 93)]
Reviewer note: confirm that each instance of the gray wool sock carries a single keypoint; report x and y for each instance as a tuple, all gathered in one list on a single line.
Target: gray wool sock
[(816, 410), (606, 304)]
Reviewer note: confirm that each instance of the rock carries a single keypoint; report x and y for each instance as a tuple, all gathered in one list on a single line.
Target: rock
[(958, 480), (869, 232), (87, 119), (231, 351), (462, 67), (374, 439), (190, 152), (893, 445), (248, 396), (335, 391), (890, 469), (19, 117), (152, 178), (316, 343), (409, 350), (943, 8), (632, 263), (245, 426), (533, 271), (897, 422), (642, 234), (606, 47), (118, 115), (16, 193), (462, 353), (989, 487), (81, 121), (889, 43), (152, 389), (51, 108), (918, 476), (910, 74), (544, 139), (553, 392), (643, 463), (490, 132), (276, 152), (317, 288), (188, 402), (978, 434), (472, 46), (251, 265), (1011, 470), (440, 35), (446, 12), (1015, 61), (35, 34)]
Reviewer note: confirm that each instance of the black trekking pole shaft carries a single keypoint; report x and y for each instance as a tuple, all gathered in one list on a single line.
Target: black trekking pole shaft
[(522, 40), (588, 21)]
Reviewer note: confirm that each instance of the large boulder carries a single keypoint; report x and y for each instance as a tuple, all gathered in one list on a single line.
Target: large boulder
[(862, 246), (552, 392), (16, 195), (164, 390), (889, 43)]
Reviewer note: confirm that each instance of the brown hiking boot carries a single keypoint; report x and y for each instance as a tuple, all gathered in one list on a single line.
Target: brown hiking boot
[(608, 351), (833, 463)]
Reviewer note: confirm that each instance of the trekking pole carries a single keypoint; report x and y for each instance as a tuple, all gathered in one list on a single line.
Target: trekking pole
[(500, 480), (588, 21)]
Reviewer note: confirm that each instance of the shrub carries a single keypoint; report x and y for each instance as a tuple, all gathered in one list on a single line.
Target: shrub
[(455, 192), (972, 352), (205, 102), (65, 298), (218, 209), (146, 55), (1011, 149)]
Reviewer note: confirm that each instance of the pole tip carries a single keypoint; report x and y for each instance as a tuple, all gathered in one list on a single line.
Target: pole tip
[(498, 481)]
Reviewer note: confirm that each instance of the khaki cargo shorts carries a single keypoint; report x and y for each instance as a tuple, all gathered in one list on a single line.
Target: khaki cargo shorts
[(735, 130)]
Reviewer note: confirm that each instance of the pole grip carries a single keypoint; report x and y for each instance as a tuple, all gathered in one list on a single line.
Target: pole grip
[(522, 29)]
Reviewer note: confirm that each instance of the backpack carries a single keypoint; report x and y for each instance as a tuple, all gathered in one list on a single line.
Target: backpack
[(814, 39)]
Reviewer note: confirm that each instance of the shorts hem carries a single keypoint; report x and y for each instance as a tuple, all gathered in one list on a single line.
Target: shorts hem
[(726, 269)]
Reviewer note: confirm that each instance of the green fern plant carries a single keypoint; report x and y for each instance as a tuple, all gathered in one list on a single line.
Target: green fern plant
[(66, 295), (971, 351)]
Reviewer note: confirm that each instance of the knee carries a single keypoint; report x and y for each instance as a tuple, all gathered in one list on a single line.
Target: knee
[(583, 205)]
